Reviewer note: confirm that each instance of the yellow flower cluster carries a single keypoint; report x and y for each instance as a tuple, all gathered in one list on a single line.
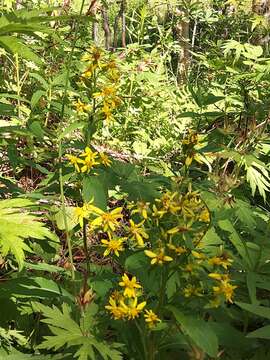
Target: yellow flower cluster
[(224, 288), (221, 290), (96, 63), (124, 304), (88, 160)]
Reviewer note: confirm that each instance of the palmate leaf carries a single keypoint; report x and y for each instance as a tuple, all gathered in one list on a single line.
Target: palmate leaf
[(257, 175), (17, 225), (67, 333)]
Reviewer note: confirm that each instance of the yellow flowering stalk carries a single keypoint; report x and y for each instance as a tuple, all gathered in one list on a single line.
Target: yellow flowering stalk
[(107, 220), (151, 318), (129, 285), (81, 107), (75, 161), (132, 309), (113, 245), (137, 232), (159, 257)]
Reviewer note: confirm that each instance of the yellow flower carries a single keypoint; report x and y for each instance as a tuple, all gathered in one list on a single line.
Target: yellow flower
[(82, 213), (219, 277), (108, 220), (192, 290), (90, 159), (88, 164), (190, 269), (137, 232), (199, 256), (158, 213), (205, 216), (151, 318), (74, 161), (158, 258), (113, 245), (106, 92), (88, 73), (168, 203), (189, 160), (177, 229), (81, 107), (130, 286), (117, 295), (226, 289), (220, 261), (191, 139), (117, 311), (179, 250), (214, 303), (107, 110), (133, 309), (142, 209), (105, 159), (89, 153)]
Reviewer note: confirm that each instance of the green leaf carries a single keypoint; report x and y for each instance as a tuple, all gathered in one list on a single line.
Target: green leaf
[(198, 330), (16, 46), (16, 226), (70, 217), (67, 333), (262, 333), (36, 97), (262, 311), (70, 128), (94, 189), (37, 130), (33, 287), (6, 109)]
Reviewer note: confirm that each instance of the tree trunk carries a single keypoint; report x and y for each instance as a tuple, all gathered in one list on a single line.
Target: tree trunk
[(92, 10), (182, 34), (106, 27), (120, 16), (124, 4)]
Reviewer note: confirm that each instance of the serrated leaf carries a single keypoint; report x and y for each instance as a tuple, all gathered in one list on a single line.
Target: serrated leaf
[(67, 333), (16, 226)]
